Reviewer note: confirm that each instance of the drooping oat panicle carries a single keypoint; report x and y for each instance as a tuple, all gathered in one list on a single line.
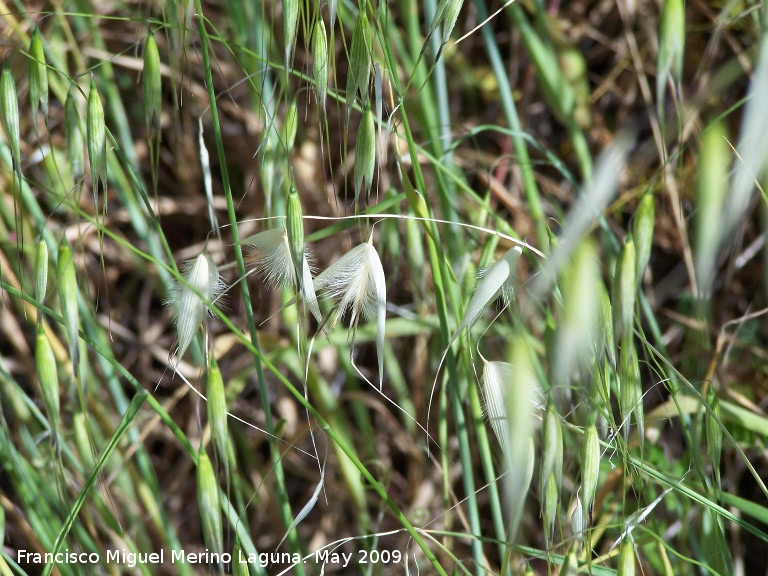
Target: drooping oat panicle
[(65, 273), (290, 25), (360, 59), (217, 413), (45, 363), (590, 467), (365, 155), (275, 263), (642, 233), (320, 61), (38, 77), (192, 298), (9, 114), (153, 86), (356, 282), (74, 134), (41, 271), (209, 503), (96, 140)]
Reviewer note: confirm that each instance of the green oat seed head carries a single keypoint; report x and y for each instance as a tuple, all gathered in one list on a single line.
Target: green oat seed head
[(65, 273), (590, 467), (320, 61), (365, 156), (217, 413), (96, 139), (45, 363), (41, 272), (642, 233), (152, 80), (74, 134), (290, 25), (38, 77), (209, 503), (360, 61), (671, 48), (9, 113)]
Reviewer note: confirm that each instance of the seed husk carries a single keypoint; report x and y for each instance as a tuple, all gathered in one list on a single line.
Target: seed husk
[(295, 230), (365, 156), (642, 233), (209, 503), (217, 412), (360, 57), (38, 77), (74, 134), (290, 24), (201, 276), (152, 79), (552, 450), (590, 466), (96, 140), (65, 272), (9, 113), (624, 290), (45, 364), (626, 558), (41, 270), (320, 61)]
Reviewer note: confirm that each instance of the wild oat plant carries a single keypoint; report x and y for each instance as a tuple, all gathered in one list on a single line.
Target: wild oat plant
[(383, 287)]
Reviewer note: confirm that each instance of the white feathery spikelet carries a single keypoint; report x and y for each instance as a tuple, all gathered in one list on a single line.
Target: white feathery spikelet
[(192, 298), (497, 379), (356, 282), (497, 280), (273, 260)]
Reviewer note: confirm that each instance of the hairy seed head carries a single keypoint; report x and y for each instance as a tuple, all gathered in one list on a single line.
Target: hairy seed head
[(192, 297)]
